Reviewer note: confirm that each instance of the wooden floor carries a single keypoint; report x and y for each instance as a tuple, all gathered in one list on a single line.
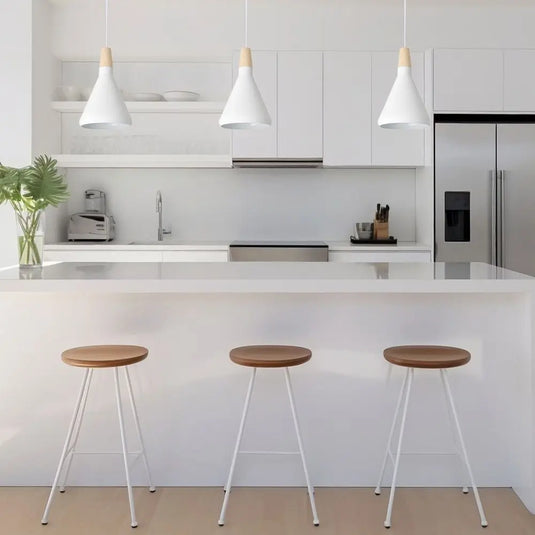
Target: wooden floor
[(261, 511)]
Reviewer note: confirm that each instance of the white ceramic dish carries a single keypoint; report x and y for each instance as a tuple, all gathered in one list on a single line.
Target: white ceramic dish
[(143, 96), (179, 96)]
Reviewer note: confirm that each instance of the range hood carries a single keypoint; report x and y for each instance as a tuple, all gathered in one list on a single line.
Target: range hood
[(273, 163)]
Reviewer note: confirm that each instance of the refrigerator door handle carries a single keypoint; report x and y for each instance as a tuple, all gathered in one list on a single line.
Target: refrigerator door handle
[(502, 218), (493, 218)]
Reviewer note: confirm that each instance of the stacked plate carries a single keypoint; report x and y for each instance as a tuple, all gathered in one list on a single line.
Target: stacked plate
[(180, 96)]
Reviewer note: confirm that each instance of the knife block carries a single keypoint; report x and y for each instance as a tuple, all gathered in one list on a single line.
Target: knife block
[(380, 230)]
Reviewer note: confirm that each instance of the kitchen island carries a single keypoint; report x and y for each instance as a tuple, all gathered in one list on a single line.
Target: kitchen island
[(190, 314)]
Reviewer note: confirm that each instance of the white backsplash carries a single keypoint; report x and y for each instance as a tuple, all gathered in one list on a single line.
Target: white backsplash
[(247, 204)]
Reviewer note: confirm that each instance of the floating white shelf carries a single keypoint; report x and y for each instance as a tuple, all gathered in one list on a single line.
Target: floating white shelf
[(70, 106), (143, 160)]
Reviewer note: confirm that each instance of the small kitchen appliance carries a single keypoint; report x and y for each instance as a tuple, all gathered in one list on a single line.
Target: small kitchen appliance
[(93, 224), (95, 201)]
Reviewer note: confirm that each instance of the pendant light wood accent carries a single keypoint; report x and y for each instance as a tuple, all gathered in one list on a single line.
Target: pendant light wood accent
[(246, 59), (105, 57)]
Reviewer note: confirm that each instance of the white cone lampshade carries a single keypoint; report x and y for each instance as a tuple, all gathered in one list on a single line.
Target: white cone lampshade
[(404, 107), (245, 107), (105, 107)]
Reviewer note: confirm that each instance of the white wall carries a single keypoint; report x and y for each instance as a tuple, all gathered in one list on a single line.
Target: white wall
[(15, 105), (227, 204), (215, 27)]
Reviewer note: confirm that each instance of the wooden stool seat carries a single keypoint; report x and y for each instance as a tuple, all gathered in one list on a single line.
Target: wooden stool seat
[(427, 356), (109, 356), (270, 356)]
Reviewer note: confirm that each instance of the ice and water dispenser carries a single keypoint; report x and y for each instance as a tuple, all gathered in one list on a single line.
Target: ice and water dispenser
[(457, 216)]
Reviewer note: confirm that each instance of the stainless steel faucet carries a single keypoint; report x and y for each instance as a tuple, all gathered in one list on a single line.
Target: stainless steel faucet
[(159, 209)]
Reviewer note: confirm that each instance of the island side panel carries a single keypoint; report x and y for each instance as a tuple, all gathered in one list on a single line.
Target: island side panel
[(190, 394)]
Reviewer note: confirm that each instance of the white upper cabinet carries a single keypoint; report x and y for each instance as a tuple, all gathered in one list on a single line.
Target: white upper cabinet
[(394, 147), (300, 105), (468, 80), (291, 84), (262, 142), (519, 80), (347, 113)]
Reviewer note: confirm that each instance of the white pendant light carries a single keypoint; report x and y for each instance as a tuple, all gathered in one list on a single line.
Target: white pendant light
[(245, 107), (404, 107), (105, 107)]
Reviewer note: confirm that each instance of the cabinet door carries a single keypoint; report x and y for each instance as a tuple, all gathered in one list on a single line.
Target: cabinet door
[(394, 147), (519, 79), (300, 105), (468, 80), (347, 108), (259, 143)]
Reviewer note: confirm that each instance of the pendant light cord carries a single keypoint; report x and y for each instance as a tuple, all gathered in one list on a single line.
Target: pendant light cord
[(246, 15), (106, 23), (404, 23)]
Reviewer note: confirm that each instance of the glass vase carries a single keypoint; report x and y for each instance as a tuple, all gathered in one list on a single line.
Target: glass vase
[(30, 238)]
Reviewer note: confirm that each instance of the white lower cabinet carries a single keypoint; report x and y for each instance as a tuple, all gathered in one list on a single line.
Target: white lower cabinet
[(102, 256), (380, 256), (121, 255)]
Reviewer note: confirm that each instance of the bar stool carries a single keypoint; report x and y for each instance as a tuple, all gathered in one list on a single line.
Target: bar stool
[(425, 357), (91, 357), (269, 356)]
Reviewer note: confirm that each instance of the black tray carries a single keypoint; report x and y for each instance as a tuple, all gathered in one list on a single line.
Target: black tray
[(389, 241)]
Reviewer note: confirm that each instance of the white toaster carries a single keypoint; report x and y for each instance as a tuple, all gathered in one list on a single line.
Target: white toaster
[(91, 226)]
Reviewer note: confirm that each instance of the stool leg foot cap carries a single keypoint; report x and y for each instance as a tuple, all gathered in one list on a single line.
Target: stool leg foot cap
[(387, 525), (317, 523), (465, 490), (484, 524), (220, 523), (44, 523), (133, 526), (377, 491), (62, 491), (152, 489)]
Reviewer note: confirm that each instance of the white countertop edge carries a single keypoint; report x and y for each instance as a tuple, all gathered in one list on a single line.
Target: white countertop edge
[(334, 246), (400, 246), (280, 286), (122, 246)]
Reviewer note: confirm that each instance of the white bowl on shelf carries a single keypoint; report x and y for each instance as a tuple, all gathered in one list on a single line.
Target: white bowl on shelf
[(181, 96), (68, 93)]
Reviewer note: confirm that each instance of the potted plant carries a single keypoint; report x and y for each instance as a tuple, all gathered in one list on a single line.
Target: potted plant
[(30, 190)]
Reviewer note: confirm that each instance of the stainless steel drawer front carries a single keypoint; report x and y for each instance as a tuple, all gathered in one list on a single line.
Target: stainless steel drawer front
[(279, 254)]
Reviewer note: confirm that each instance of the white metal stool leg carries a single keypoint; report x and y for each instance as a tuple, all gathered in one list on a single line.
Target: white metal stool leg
[(228, 486), (44, 520), (387, 522), (388, 452), (152, 488), (133, 522), (71, 451), (453, 430), (443, 374), (301, 449)]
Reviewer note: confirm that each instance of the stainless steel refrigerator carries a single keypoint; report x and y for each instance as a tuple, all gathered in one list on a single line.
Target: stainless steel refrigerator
[(485, 194)]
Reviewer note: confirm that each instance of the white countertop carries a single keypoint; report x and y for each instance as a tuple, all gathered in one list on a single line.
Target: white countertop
[(265, 277), (184, 245)]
